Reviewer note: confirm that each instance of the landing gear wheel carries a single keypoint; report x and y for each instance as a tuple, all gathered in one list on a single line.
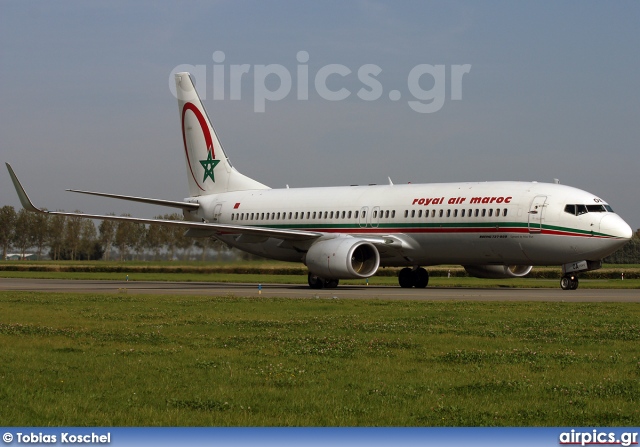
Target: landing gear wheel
[(331, 283), (405, 278), (315, 282), (574, 283), (569, 283), (420, 278)]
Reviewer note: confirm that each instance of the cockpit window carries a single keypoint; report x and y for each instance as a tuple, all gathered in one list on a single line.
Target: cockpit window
[(578, 210), (596, 209)]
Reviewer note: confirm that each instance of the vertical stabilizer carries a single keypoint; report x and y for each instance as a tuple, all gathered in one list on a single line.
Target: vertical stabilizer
[(208, 167)]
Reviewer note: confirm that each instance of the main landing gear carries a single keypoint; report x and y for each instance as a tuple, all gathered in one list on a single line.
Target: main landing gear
[(315, 282), (417, 277), (569, 282)]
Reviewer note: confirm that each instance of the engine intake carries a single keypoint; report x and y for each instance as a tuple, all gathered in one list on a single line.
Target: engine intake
[(498, 271), (343, 258)]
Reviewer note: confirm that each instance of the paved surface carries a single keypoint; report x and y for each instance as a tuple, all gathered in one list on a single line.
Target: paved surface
[(300, 291)]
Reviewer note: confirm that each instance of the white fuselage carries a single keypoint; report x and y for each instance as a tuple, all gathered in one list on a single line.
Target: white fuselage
[(463, 223)]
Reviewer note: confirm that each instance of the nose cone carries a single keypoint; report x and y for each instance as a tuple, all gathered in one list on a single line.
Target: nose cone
[(613, 225)]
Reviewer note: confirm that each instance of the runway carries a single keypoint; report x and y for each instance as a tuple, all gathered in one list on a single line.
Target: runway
[(301, 291)]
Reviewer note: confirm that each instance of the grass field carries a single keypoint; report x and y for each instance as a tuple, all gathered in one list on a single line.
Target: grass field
[(103, 360)]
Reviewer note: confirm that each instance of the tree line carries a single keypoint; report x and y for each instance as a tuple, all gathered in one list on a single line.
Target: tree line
[(77, 238)]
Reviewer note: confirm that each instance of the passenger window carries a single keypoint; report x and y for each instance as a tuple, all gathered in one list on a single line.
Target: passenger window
[(484, 212), (441, 213), (498, 212), (455, 213), (349, 215), (355, 214), (448, 213), (477, 212), (406, 213), (393, 214), (504, 212), (491, 212), (462, 213), (343, 214)]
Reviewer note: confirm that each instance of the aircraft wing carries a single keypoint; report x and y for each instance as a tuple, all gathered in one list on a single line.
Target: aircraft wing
[(205, 227)]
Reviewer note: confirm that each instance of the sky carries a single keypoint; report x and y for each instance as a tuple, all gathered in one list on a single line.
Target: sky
[(435, 92)]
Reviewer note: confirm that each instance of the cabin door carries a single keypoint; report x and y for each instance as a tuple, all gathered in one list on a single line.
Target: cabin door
[(536, 212), (362, 218), (217, 210)]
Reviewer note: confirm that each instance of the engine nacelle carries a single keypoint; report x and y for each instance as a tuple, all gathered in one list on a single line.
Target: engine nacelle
[(498, 271), (343, 258)]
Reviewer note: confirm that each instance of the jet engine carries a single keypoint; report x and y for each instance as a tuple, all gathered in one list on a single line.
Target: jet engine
[(343, 258), (498, 271)]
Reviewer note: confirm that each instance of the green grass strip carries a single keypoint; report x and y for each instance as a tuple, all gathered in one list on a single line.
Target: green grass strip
[(144, 360)]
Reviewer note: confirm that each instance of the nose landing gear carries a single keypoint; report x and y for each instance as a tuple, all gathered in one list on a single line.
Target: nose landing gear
[(569, 282)]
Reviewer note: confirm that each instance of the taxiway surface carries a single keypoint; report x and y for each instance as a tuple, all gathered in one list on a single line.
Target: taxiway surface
[(301, 291)]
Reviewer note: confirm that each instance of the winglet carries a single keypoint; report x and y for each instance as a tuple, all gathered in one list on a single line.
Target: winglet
[(22, 195)]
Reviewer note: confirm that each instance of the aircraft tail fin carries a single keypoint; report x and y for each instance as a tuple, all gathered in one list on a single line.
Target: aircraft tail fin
[(208, 168)]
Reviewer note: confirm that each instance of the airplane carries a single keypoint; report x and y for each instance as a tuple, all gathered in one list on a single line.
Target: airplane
[(498, 229)]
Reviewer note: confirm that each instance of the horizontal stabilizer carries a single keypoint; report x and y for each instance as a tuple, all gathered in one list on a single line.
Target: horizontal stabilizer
[(187, 206)]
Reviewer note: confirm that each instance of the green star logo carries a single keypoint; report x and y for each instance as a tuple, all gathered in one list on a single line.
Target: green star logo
[(209, 164)]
